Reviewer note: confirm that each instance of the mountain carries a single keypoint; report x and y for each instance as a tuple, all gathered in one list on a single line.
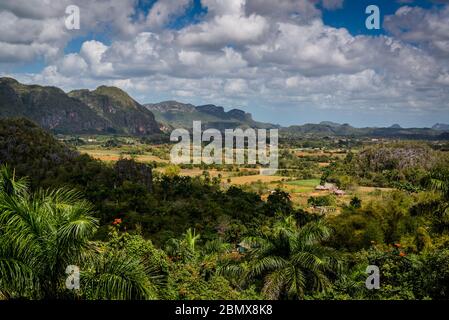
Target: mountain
[(322, 129), (175, 114), (104, 110), (395, 126), (110, 110), (330, 129), (441, 127), (330, 123), (119, 109), (48, 106)]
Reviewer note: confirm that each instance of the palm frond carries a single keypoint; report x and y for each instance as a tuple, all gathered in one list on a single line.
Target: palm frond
[(266, 264), (118, 277)]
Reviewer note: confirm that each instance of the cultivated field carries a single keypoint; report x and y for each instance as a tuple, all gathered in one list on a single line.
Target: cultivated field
[(300, 190)]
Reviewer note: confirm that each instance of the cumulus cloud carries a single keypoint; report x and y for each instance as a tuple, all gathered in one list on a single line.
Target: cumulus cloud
[(92, 52), (429, 28), (36, 28), (242, 52), (293, 10), (72, 64), (223, 30), (23, 39)]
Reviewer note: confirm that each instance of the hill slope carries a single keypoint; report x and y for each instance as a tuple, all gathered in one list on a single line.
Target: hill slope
[(48, 106), (115, 106)]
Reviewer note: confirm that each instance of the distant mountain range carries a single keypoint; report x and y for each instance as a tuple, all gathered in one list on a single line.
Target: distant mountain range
[(441, 127), (176, 114), (173, 114), (104, 110), (110, 110), (330, 129)]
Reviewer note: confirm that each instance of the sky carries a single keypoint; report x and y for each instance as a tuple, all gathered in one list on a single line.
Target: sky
[(286, 61)]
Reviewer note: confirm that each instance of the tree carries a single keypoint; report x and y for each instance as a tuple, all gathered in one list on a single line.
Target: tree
[(321, 201), (291, 260), (43, 233), (356, 202), (172, 170), (279, 201)]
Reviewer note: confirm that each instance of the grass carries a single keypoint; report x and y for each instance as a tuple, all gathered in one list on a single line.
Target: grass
[(115, 154), (254, 178), (305, 183)]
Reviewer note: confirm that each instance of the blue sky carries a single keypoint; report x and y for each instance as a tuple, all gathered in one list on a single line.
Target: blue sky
[(289, 62)]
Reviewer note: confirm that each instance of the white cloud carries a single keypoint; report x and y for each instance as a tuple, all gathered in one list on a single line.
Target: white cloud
[(224, 7), (429, 28), (236, 86), (72, 64), (225, 30), (92, 52), (243, 52), (293, 10)]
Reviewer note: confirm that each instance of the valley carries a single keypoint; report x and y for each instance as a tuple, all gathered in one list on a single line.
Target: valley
[(235, 152), (366, 195)]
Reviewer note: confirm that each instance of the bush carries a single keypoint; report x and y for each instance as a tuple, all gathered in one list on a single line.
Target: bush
[(321, 201)]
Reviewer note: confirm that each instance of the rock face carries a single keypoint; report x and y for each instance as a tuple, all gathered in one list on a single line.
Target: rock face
[(119, 109), (105, 110), (213, 110), (171, 106), (50, 107)]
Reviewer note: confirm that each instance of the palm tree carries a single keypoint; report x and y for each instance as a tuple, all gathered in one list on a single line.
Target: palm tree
[(42, 233), (185, 248), (290, 260), (119, 276)]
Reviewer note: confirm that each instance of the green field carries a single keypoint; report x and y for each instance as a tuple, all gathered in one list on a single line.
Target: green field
[(305, 183)]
